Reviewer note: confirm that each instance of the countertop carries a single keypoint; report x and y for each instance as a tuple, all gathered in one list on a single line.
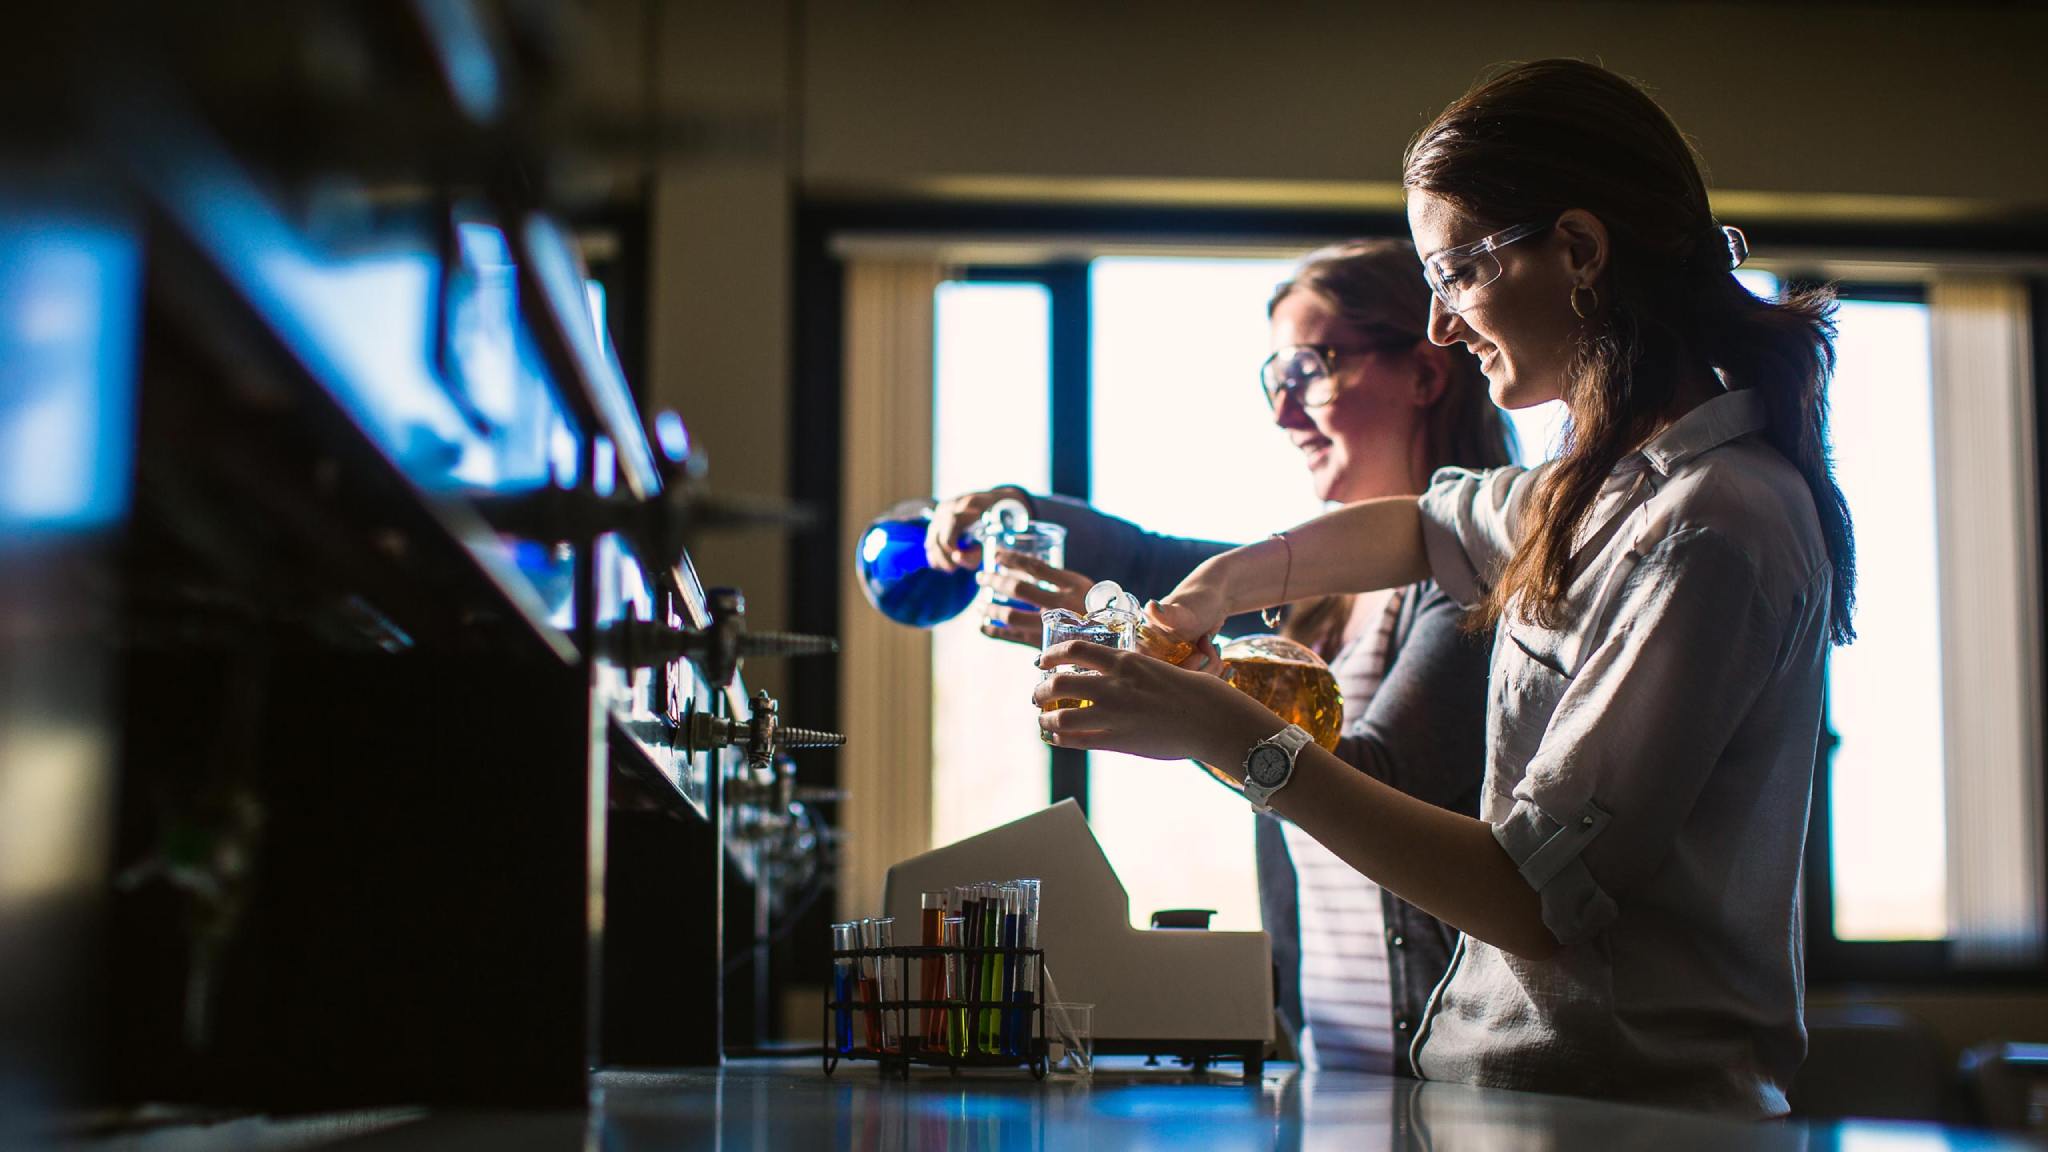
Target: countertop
[(791, 1103)]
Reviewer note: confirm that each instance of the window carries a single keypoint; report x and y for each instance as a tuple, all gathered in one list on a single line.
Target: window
[(1185, 444), (1885, 791), (991, 382), (1169, 430), (1927, 813)]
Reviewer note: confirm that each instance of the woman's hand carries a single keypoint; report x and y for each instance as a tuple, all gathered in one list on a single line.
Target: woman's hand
[(1033, 586), (1190, 614), (1146, 707), (953, 519)]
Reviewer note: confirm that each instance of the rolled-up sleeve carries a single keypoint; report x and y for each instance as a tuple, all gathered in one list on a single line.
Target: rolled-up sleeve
[(1469, 520), (1691, 642)]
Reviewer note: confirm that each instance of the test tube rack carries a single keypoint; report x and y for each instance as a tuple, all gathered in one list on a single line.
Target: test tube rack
[(1017, 1024)]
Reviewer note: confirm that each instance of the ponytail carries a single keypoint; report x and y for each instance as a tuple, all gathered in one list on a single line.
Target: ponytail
[(1784, 351)]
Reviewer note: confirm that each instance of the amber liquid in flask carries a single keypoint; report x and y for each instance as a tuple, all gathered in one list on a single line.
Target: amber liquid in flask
[(1301, 694), (1291, 680)]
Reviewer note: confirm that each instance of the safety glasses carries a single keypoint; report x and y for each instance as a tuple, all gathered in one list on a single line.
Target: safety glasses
[(1455, 274)]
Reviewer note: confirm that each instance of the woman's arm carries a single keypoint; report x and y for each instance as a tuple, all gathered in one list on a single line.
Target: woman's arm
[(1361, 547), (1447, 864), (1108, 547), (1099, 547)]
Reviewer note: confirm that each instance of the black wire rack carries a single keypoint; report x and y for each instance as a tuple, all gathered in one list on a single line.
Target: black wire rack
[(1000, 1023)]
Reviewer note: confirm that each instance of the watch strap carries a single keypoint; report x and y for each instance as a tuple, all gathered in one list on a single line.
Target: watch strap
[(1291, 740)]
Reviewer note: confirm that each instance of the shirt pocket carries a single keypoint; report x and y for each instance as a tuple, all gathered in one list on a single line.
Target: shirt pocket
[(1530, 681)]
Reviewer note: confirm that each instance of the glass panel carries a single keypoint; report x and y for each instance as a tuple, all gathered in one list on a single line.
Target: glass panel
[(70, 286), (1884, 691), (1177, 347), (992, 397)]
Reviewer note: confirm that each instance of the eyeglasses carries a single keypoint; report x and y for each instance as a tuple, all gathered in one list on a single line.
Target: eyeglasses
[(1455, 274), (1309, 371)]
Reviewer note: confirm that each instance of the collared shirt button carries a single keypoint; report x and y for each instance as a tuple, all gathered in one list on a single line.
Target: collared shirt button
[(1401, 1024), (1400, 941)]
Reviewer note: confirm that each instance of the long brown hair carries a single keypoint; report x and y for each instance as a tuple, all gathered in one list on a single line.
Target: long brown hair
[(1374, 287), (1541, 138)]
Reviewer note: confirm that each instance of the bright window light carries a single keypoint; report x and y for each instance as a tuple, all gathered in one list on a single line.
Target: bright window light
[(1885, 796), (1184, 443), (990, 421)]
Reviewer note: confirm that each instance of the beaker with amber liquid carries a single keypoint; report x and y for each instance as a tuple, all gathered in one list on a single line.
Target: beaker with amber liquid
[(1286, 676), (1111, 627), (1290, 679)]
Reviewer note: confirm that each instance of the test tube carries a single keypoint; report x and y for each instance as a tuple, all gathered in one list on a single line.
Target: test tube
[(1027, 968), (865, 981), (992, 970), (955, 1030), (972, 963), (889, 984), (931, 972), (1006, 938), (845, 940)]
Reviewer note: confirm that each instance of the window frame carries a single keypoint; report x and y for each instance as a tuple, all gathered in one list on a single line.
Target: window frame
[(1831, 964), (1070, 433)]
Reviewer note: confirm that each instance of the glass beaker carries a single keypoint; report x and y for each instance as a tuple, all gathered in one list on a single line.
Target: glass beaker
[(1146, 638), (1114, 626), (1007, 526), (1070, 1050)]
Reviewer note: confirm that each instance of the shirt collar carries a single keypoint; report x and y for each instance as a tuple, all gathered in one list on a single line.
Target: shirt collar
[(1730, 415)]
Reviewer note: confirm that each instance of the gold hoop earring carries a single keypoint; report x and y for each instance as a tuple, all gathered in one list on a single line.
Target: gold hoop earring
[(1584, 313)]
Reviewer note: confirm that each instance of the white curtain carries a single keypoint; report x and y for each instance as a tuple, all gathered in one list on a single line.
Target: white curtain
[(885, 696), (1990, 616)]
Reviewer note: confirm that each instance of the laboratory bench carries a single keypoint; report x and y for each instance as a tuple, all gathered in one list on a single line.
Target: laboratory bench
[(792, 1103)]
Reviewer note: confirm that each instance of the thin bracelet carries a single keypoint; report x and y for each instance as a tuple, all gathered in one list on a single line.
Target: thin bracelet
[(1272, 615)]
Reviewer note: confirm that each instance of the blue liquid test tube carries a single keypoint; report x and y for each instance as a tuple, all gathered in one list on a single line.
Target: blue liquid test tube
[(845, 938)]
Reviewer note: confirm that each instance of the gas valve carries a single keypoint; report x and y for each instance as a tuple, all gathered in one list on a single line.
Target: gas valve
[(761, 734), (717, 649)]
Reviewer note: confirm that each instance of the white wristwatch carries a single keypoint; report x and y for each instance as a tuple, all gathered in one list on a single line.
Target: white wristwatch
[(1270, 764)]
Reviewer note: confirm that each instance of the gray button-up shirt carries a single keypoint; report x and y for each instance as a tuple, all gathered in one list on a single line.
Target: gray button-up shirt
[(1649, 769)]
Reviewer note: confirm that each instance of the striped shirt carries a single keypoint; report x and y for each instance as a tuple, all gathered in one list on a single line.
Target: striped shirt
[(1346, 995), (1422, 730)]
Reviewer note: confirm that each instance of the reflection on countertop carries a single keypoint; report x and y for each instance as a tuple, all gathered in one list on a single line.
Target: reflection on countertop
[(755, 1104), (773, 1105)]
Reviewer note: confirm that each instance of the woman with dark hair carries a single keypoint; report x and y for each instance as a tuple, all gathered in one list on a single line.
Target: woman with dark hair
[(1662, 597), (1375, 408)]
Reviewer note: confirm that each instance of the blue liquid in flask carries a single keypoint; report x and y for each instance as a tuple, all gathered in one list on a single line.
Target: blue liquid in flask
[(898, 579)]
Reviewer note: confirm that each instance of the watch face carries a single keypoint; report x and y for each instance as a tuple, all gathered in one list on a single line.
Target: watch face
[(1268, 766)]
